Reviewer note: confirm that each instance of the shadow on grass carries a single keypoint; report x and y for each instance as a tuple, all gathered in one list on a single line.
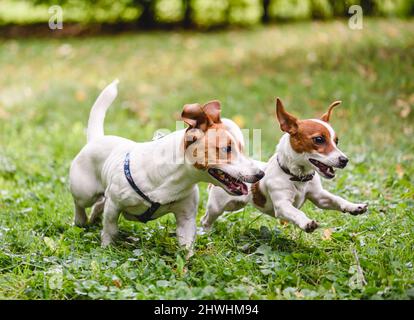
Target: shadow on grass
[(255, 238)]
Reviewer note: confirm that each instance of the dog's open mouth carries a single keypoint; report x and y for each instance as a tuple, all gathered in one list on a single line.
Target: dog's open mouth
[(327, 171), (232, 185)]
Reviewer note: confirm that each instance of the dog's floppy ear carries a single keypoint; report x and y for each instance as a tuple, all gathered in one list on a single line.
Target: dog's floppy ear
[(194, 115), (213, 110), (326, 116), (288, 123), (201, 117)]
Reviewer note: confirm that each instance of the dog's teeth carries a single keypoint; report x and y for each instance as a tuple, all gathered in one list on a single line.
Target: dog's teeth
[(330, 170)]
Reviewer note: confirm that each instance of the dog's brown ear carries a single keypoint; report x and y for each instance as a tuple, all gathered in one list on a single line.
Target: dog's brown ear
[(213, 110), (326, 116), (201, 117), (288, 123), (194, 115)]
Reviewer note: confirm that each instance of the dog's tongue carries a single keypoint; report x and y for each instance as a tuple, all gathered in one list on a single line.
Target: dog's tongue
[(239, 188), (244, 189)]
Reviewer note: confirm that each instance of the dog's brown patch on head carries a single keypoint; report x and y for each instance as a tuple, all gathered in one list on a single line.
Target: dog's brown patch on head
[(211, 135), (304, 132), (258, 197), (303, 139), (210, 148)]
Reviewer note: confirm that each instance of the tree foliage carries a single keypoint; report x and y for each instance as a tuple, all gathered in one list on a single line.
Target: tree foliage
[(190, 13)]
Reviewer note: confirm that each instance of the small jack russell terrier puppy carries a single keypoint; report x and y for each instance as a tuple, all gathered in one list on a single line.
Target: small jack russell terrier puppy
[(307, 150), (147, 180)]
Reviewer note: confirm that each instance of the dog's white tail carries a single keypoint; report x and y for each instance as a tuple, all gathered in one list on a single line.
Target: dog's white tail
[(98, 111)]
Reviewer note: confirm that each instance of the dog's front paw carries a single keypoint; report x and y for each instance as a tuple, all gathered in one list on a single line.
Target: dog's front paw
[(94, 220), (311, 226), (106, 240), (189, 254), (357, 209), (206, 226), (203, 230), (80, 222)]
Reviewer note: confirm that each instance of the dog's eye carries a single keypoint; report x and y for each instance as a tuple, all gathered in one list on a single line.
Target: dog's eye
[(319, 140), (226, 149)]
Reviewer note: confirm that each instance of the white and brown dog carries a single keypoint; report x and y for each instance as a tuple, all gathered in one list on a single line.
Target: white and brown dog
[(144, 181), (307, 150)]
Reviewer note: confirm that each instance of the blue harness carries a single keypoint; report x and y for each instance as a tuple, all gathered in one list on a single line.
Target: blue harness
[(147, 215)]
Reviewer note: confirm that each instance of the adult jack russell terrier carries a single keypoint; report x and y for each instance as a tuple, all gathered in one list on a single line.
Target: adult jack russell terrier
[(307, 150), (144, 181)]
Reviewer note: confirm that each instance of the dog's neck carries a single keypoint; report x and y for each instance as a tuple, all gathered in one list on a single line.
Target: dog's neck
[(295, 162), (165, 176)]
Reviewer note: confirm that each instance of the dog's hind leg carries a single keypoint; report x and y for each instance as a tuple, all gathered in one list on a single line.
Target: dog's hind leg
[(81, 218), (97, 211), (214, 210), (218, 202), (85, 187)]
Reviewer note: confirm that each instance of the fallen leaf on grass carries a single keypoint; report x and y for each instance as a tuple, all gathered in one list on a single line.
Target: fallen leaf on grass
[(284, 222), (327, 233), (117, 283), (399, 170)]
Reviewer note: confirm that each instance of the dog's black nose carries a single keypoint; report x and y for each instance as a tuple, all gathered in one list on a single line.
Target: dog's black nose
[(343, 161), (260, 175)]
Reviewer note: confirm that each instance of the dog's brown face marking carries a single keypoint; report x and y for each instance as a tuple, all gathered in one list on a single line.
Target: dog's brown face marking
[(214, 147), (258, 197), (310, 137), (307, 135), (206, 140)]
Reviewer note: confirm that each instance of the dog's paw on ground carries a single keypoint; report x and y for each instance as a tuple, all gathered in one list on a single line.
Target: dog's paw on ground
[(311, 226), (359, 209), (203, 230)]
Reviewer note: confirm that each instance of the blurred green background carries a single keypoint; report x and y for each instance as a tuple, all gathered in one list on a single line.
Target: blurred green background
[(192, 13), (48, 85)]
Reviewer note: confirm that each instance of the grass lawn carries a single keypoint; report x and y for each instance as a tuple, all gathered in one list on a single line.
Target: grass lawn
[(48, 86)]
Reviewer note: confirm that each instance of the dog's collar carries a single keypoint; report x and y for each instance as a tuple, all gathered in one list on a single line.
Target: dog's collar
[(306, 178), (147, 215)]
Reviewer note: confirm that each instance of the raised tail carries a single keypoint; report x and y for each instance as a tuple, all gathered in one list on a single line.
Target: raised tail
[(98, 111)]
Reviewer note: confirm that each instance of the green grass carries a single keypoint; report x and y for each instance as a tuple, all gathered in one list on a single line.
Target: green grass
[(48, 86)]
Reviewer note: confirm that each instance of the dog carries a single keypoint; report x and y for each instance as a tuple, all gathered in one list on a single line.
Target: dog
[(307, 150), (147, 180)]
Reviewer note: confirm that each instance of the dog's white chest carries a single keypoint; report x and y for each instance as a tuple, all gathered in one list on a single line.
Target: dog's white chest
[(300, 195), (299, 201)]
